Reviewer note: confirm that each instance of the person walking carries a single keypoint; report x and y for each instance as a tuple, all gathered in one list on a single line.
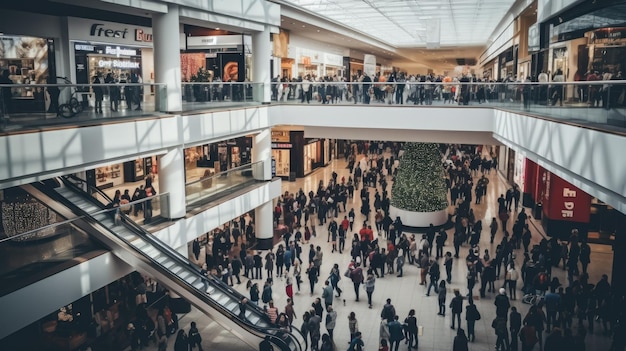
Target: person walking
[(388, 312), (433, 272), (471, 316), (313, 326), (194, 337), (460, 341), (515, 319), (334, 279), (456, 306), (370, 284), (441, 297), (502, 341), (353, 325), (356, 275), (395, 334), (411, 329), (327, 294), (312, 274), (331, 321)]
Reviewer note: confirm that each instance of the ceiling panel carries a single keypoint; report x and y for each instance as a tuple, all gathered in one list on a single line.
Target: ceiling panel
[(405, 23)]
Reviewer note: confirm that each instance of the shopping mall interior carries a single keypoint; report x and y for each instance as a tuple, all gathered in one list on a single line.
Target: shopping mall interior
[(169, 171)]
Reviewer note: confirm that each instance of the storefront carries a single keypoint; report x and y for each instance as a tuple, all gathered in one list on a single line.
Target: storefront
[(333, 65), (310, 62), (296, 156), (100, 47), (221, 56), (114, 175), (209, 159), (28, 60)]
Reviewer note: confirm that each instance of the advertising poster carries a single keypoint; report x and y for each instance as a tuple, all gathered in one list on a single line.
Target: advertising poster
[(233, 68), (369, 65)]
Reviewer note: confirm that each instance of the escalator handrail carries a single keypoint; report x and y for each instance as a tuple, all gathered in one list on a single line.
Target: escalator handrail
[(154, 240), (218, 284), (259, 331)]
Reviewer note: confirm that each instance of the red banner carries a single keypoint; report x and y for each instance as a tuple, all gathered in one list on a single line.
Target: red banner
[(561, 200)]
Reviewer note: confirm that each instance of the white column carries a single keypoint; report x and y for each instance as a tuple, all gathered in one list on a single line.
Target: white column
[(172, 181), (264, 226), (166, 39), (262, 151), (261, 53)]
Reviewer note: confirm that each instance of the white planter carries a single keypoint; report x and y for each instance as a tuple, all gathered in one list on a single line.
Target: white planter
[(419, 219)]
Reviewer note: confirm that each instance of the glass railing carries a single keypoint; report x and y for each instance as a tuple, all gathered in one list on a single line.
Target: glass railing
[(31, 255), (33, 105), (206, 95), (595, 102), (207, 188)]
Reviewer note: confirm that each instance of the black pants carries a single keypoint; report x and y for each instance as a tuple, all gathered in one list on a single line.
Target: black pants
[(356, 290)]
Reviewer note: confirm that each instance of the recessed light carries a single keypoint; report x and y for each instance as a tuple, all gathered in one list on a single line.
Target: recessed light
[(303, 26), (218, 28), (318, 30)]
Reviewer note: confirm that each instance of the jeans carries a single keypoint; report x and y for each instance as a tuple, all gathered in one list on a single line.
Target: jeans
[(470, 330), (456, 315), (412, 339), (392, 343), (433, 283), (356, 290), (369, 297)]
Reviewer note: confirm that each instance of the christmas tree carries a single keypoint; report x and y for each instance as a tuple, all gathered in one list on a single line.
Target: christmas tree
[(420, 185)]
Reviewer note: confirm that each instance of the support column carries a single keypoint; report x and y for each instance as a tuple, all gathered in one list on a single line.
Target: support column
[(166, 39), (262, 151), (261, 52), (172, 181), (264, 226)]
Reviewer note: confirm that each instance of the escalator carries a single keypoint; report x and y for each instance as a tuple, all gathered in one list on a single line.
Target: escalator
[(146, 253)]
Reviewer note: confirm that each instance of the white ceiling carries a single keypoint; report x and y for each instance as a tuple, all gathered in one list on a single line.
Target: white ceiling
[(413, 23)]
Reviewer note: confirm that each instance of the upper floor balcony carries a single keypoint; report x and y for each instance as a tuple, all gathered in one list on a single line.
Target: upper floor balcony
[(573, 129), (599, 105)]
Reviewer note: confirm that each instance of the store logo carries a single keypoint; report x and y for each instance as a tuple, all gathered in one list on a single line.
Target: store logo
[(140, 35), (98, 30), (117, 51), (118, 64)]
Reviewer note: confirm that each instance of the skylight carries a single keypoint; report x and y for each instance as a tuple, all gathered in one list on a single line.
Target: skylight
[(413, 23)]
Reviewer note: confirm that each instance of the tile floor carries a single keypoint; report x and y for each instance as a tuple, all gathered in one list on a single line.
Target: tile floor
[(405, 292)]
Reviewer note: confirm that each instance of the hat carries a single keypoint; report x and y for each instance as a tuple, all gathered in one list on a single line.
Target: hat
[(502, 291)]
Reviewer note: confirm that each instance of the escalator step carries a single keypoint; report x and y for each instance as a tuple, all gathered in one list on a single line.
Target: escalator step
[(232, 305)]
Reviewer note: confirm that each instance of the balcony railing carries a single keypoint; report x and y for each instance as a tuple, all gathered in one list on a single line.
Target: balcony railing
[(600, 103), (206, 189), (35, 105)]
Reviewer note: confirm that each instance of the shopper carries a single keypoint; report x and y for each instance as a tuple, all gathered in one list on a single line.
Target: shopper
[(395, 334), (353, 325), (471, 316), (370, 284), (456, 306), (356, 275), (331, 321), (441, 296), (411, 329), (460, 341), (194, 337)]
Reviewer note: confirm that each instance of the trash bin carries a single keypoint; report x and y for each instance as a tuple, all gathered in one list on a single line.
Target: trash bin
[(292, 176), (538, 210)]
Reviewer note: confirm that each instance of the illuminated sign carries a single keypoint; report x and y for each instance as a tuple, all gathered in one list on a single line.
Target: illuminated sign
[(117, 51), (118, 64)]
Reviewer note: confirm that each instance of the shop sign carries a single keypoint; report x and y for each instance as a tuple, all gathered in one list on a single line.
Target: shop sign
[(117, 51), (108, 32), (333, 60), (564, 201), (118, 64), (214, 41), (84, 47), (281, 146), (533, 38), (568, 205)]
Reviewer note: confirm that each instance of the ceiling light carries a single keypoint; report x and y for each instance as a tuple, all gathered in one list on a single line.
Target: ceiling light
[(303, 26), (318, 30), (218, 28)]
